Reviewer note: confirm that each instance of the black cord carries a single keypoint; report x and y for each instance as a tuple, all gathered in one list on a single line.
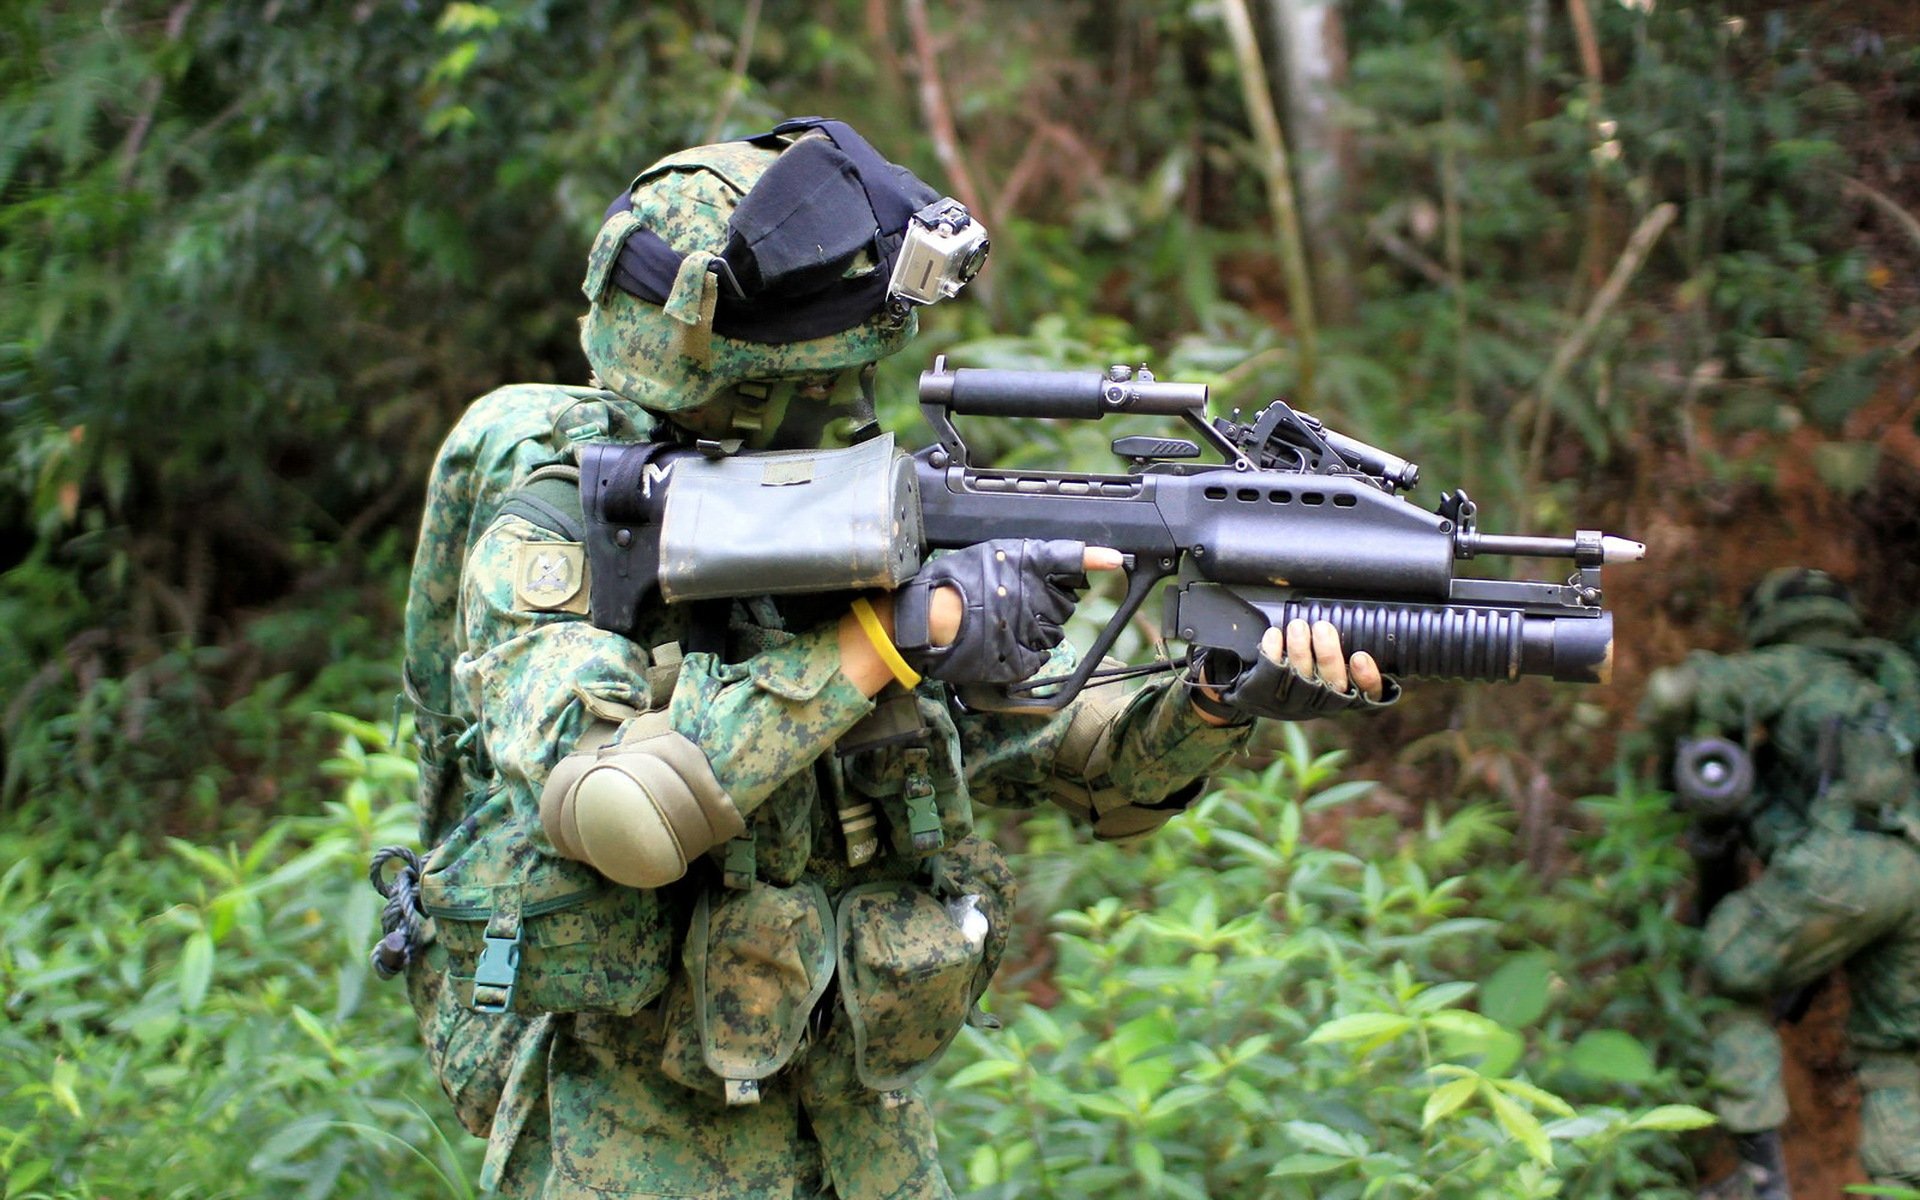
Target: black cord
[(1100, 675), (401, 917)]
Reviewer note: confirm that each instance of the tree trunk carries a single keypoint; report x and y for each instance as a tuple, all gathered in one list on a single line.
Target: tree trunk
[(1311, 64)]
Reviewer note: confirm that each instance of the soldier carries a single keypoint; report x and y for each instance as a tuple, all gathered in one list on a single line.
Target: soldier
[(1823, 724), (705, 893)]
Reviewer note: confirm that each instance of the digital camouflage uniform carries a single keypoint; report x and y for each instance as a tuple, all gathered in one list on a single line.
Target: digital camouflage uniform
[(618, 1103), (1830, 720), (755, 1028)]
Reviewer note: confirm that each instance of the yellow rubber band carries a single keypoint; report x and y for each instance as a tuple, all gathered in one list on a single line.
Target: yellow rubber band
[(882, 644)]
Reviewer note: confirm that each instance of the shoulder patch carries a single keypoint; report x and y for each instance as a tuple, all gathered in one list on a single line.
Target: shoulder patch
[(550, 577)]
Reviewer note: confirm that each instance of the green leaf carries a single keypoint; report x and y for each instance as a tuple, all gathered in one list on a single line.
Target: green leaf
[(1103, 1105), (1446, 1099), (194, 973), (1536, 1096), (1325, 1139), (984, 1071), (1362, 1025), (1441, 996), (1613, 1055), (1470, 1026), (983, 1166), (1674, 1118), (1847, 467), (1522, 1126), (311, 1026), (1305, 1164), (1142, 1036), (1152, 1166), (66, 1074), (1846, 387), (287, 1142), (1516, 993)]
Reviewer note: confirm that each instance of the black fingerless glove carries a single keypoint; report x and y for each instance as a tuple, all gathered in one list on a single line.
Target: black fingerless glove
[(1265, 688), (1016, 595)]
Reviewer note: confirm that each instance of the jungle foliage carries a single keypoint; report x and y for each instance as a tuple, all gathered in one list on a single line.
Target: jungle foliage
[(254, 259)]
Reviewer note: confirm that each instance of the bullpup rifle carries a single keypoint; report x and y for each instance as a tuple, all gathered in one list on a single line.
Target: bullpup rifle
[(1294, 520), (1291, 519)]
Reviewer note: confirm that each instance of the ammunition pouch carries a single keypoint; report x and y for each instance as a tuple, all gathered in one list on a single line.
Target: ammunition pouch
[(892, 764), (910, 970), (474, 1055), (911, 957), (756, 962)]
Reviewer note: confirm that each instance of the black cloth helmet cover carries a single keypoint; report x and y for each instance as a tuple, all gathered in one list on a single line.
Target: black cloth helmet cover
[(793, 238)]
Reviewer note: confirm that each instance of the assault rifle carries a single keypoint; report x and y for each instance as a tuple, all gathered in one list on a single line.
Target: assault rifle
[(1293, 520), (1713, 783)]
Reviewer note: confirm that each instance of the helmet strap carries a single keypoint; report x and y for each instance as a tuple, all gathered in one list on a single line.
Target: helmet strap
[(695, 295)]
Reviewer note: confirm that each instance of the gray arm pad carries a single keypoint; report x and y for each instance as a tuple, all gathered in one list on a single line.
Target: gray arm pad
[(638, 811)]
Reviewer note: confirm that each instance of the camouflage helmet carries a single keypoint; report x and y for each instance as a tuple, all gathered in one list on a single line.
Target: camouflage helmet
[(754, 260), (1795, 600)]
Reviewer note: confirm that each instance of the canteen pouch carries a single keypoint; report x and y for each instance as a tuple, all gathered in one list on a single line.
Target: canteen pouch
[(911, 966), (552, 936), (790, 521), (756, 962)]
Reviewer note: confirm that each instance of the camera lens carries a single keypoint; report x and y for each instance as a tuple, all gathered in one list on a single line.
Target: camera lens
[(975, 259)]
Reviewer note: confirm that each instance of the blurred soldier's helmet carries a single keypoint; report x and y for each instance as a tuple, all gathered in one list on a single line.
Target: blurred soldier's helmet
[(794, 258), (1792, 601)]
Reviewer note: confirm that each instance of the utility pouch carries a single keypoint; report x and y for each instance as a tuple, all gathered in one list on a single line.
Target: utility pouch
[(790, 521), (921, 805), (911, 966), (756, 963), (560, 938)]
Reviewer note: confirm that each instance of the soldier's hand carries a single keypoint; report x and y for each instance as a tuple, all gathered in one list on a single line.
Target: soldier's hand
[(1669, 700), (991, 612), (1302, 672)]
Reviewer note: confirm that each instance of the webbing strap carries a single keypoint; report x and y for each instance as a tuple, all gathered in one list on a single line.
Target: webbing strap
[(551, 499)]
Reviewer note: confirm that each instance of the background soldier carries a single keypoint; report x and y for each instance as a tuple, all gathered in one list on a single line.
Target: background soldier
[(1816, 770), (709, 878)]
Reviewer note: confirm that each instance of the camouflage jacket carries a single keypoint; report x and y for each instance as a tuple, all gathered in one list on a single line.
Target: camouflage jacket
[(1832, 724), (522, 682)]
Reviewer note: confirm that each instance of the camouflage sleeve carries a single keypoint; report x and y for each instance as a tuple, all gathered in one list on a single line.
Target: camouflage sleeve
[(1124, 760), (1735, 691), (766, 719), (539, 677)]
